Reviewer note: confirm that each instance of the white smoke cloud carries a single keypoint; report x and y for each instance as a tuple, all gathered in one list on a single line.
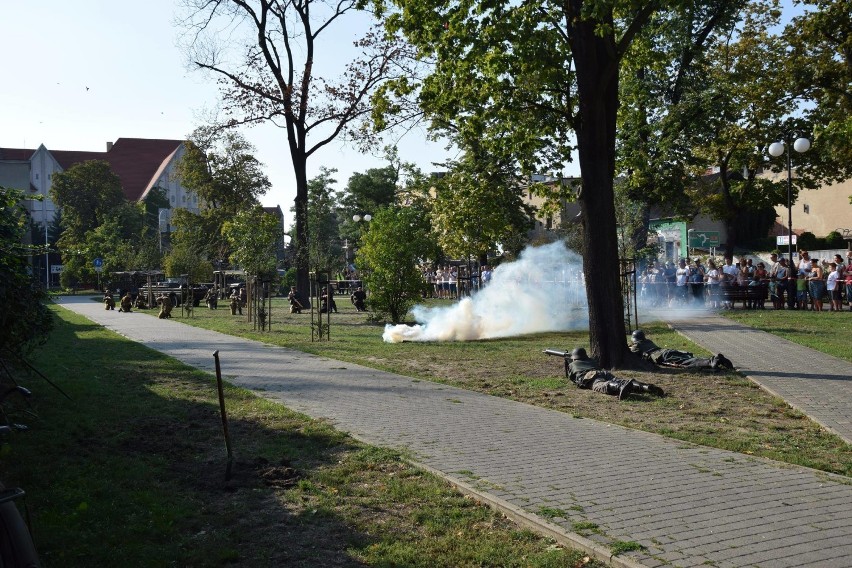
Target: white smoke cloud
[(542, 291)]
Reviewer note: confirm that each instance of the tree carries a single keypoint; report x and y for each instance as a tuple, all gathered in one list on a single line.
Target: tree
[(96, 220), (365, 193), (88, 193), (323, 225), (277, 78), (253, 236), (528, 75), (820, 64), (25, 320), (220, 167), (398, 239), (478, 205)]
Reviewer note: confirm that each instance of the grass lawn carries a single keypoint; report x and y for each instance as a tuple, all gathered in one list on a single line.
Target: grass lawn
[(828, 332), (722, 410), (131, 473)]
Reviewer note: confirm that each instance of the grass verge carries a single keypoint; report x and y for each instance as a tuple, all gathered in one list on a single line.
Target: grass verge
[(827, 332), (721, 410), (131, 473)]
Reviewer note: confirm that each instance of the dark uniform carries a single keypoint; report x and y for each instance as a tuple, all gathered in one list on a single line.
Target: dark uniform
[(165, 307), (649, 350), (141, 303), (236, 307), (126, 303), (212, 298), (585, 373), (327, 305), (358, 297), (295, 305)]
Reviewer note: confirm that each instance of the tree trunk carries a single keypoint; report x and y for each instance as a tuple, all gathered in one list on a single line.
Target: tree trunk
[(596, 63), (301, 207)]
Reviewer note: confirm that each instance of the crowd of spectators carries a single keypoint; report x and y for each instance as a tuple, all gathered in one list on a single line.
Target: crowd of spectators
[(451, 281), (812, 284)]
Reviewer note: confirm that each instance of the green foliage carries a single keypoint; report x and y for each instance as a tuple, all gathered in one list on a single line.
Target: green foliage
[(807, 241), (835, 240), (325, 251), (183, 259), (25, 320), (397, 240), (219, 166), (819, 64), (252, 237), (89, 194), (478, 205), (97, 221)]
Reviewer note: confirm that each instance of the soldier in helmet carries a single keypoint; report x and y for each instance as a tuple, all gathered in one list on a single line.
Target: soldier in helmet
[(165, 306), (109, 300), (358, 297), (585, 373), (649, 350), (126, 303)]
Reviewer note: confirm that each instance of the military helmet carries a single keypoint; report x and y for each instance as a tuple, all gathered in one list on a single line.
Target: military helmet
[(578, 353), (638, 335)]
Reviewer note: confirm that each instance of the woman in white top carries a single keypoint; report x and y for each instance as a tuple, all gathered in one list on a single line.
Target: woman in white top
[(833, 287), (713, 278)]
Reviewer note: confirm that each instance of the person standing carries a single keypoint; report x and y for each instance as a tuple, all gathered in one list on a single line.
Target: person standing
[(832, 285), (681, 282), (713, 279), (816, 285), (847, 278), (804, 267)]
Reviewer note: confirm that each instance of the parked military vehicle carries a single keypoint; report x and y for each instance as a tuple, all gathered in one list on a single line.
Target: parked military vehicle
[(177, 288)]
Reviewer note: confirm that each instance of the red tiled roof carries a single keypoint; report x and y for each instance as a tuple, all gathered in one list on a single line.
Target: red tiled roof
[(17, 154), (136, 161)]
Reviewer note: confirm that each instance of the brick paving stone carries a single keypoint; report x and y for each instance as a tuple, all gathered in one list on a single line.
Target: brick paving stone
[(539, 457)]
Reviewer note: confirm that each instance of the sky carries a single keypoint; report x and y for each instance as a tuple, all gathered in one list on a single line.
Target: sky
[(76, 75)]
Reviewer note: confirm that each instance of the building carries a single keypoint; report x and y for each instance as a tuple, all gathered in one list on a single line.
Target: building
[(141, 165), (818, 211)]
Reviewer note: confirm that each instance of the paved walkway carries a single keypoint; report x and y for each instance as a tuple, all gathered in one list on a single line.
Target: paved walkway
[(817, 384), (688, 505)]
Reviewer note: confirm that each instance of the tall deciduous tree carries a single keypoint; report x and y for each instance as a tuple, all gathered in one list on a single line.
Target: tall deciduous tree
[(529, 75), (220, 167), (478, 205), (88, 193), (326, 252), (275, 76)]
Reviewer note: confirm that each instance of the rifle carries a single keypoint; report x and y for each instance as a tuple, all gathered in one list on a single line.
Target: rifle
[(564, 354)]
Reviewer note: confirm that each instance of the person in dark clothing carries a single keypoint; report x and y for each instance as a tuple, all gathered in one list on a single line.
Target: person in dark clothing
[(358, 297), (585, 373), (649, 350)]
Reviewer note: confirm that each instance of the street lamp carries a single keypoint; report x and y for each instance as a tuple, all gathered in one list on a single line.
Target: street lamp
[(801, 145), (366, 218)]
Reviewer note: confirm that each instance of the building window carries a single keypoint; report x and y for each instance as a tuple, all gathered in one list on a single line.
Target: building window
[(807, 208), (36, 176), (173, 198)]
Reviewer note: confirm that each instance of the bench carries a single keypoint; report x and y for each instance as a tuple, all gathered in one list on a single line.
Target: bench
[(749, 295)]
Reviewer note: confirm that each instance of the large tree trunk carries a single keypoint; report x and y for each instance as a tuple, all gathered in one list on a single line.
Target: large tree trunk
[(301, 207), (597, 86)]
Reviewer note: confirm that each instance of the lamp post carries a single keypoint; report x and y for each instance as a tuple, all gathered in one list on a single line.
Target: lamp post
[(800, 145)]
